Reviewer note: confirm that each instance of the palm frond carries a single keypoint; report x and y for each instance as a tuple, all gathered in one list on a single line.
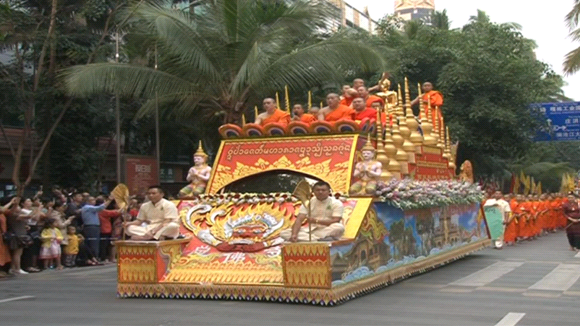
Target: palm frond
[(122, 79), (572, 61), (573, 16)]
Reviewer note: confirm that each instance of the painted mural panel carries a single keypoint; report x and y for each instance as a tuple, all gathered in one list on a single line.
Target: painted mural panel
[(398, 237)]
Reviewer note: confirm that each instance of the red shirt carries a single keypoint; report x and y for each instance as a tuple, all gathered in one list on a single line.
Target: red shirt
[(105, 217)]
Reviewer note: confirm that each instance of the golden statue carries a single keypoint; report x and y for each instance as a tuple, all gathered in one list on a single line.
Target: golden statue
[(466, 173), (368, 171), (198, 175), (390, 97)]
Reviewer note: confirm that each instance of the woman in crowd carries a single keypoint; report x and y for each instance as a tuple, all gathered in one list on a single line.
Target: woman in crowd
[(572, 213)]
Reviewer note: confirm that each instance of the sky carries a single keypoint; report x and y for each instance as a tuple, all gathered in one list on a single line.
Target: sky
[(542, 22)]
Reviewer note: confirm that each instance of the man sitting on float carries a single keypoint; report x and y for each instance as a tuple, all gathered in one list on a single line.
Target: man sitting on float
[(299, 115), (272, 114), (157, 219), (335, 111), (362, 110), (325, 218)]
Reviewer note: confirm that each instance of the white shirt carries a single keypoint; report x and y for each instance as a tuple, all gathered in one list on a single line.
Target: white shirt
[(325, 209), (158, 213), (503, 205)]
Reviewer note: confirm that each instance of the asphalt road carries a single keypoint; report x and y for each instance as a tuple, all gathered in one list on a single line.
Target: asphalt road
[(534, 283)]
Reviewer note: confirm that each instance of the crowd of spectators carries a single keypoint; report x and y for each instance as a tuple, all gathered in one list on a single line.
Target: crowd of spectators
[(60, 229)]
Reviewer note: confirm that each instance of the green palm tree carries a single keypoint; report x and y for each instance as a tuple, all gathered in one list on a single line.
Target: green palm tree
[(216, 57), (572, 59)]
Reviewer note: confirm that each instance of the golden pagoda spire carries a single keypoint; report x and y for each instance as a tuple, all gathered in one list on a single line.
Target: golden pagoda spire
[(200, 151), (399, 110), (426, 126), (277, 100), (391, 151), (287, 98), (256, 113), (382, 156), (441, 143), (243, 119), (452, 159), (412, 123), (401, 155), (310, 100), (408, 146), (435, 124), (447, 148)]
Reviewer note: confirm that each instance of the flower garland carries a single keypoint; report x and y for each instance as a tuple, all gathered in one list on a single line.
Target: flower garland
[(413, 194)]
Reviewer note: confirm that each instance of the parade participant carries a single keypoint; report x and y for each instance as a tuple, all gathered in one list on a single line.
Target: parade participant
[(512, 226), (571, 210), (272, 114), (299, 115), (362, 111), (368, 171), (369, 99), (335, 111), (157, 219), (348, 94), (499, 225), (198, 174), (431, 99), (314, 111), (325, 217)]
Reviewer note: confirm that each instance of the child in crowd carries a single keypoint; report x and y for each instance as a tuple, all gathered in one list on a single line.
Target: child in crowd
[(51, 239), (71, 250)]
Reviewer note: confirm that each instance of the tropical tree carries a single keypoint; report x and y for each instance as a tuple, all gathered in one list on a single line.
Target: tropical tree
[(214, 58), (572, 59)]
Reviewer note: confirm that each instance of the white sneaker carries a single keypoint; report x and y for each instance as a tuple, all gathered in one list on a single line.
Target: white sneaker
[(22, 272)]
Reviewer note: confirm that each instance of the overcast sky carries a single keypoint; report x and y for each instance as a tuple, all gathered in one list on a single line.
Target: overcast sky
[(542, 21)]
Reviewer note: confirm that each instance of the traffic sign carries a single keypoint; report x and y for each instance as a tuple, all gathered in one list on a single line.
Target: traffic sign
[(562, 121)]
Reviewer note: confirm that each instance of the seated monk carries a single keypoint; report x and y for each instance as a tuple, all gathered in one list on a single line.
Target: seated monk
[(362, 111), (325, 217), (299, 115), (430, 96), (272, 114), (369, 99), (348, 94), (335, 111)]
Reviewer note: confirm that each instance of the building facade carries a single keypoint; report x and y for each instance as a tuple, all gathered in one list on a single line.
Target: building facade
[(352, 17), (420, 10)]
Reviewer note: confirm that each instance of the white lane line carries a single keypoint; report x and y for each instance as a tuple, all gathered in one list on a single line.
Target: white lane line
[(560, 278), (511, 319), (488, 274), (24, 297), (577, 255)]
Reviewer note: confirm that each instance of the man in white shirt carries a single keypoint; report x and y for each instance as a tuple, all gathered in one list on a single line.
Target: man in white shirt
[(325, 218), (157, 219), (498, 227)]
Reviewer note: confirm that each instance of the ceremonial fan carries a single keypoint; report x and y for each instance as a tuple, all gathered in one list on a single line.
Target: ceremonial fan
[(121, 195), (304, 193)]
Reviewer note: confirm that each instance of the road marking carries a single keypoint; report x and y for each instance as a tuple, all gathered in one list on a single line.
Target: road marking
[(488, 274), (500, 289), (511, 319), (560, 278), (24, 297), (577, 255)]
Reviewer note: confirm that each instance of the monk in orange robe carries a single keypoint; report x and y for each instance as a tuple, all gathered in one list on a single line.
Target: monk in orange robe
[(272, 114), (335, 111), (524, 219), (511, 229), (362, 111), (348, 94), (369, 99), (432, 100), (555, 206), (536, 210), (299, 115)]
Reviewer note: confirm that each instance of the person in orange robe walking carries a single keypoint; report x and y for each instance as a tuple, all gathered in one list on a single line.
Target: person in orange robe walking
[(272, 114), (512, 226), (335, 111), (553, 217)]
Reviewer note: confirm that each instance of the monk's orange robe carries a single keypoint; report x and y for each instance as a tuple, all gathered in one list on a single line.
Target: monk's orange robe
[(511, 229), (341, 112), (562, 220), (366, 113), (346, 101), (553, 219), (278, 116), (372, 99), (308, 118), (436, 100), (524, 221), (536, 208)]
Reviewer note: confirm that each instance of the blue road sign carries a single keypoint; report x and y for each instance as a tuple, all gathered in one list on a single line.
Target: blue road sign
[(562, 121)]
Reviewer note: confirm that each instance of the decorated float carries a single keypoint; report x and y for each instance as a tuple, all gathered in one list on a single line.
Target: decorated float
[(412, 216)]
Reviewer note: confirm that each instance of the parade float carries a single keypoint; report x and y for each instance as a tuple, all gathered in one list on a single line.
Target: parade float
[(417, 215)]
